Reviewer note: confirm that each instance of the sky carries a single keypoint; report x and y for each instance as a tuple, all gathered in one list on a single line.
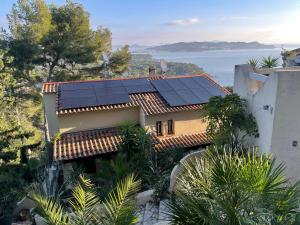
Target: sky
[(153, 22)]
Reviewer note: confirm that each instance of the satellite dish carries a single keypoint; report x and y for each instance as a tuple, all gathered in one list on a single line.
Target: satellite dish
[(164, 66), (297, 59)]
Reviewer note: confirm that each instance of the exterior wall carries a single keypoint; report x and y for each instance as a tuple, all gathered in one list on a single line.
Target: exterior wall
[(185, 122), (279, 123), (51, 118), (97, 119), (258, 95), (287, 123)]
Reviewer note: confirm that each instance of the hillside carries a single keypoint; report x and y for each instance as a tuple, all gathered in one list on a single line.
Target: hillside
[(140, 63), (206, 46)]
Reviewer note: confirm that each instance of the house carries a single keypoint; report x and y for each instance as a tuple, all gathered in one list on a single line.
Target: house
[(274, 100), (82, 117), (291, 58)]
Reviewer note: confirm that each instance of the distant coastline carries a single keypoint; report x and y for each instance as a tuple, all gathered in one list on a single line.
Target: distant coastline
[(208, 46)]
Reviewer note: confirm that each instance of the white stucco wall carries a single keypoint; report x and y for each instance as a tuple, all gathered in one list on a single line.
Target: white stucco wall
[(258, 95), (279, 124), (287, 122), (51, 118)]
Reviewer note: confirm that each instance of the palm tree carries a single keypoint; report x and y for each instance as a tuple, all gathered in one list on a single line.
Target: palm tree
[(269, 62), (87, 209), (230, 188), (253, 63)]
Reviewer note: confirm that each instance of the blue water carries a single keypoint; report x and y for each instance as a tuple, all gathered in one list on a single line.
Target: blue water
[(219, 63)]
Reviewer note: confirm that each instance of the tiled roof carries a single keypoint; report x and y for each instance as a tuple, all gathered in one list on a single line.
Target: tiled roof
[(100, 141), (182, 141), (151, 103)]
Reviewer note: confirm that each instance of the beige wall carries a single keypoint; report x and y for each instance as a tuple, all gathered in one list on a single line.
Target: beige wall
[(185, 122), (50, 114), (97, 119)]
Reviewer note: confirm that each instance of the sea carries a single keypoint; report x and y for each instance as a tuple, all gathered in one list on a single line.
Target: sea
[(220, 63)]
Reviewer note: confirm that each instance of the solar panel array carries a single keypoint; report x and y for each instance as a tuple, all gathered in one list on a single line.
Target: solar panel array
[(187, 91), (177, 92), (108, 92)]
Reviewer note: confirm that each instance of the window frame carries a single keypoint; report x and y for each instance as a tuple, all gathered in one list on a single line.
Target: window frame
[(170, 122), (158, 127)]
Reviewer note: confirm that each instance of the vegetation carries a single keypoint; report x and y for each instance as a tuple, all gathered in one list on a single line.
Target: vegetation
[(265, 62), (118, 208), (59, 41), (228, 121), (19, 134), (231, 188), (140, 64), (136, 154), (254, 63), (269, 62)]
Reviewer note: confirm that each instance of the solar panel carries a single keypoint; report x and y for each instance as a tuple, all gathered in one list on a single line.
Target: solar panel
[(187, 90), (176, 84), (112, 83), (135, 82), (78, 102), (77, 93), (189, 97), (161, 85), (172, 98), (75, 86), (112, 99), (189, 82), (140, 89)]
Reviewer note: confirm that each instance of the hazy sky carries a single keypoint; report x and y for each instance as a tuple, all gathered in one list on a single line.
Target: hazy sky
[(149, 22)]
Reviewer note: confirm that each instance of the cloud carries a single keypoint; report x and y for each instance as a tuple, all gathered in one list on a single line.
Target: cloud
[(184, 22)]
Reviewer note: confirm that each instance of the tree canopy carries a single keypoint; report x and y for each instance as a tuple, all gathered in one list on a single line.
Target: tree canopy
[(228, 120), (60, 39)]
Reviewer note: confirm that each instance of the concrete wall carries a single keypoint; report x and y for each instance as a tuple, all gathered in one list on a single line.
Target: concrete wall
[(258, 95), (278, 123), (287, 123), (185, 122), (97, 119), (51, 118)]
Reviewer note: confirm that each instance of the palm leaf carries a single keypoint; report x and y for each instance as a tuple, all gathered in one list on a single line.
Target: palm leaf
[(120, 203), (84, 202), (50, 210)]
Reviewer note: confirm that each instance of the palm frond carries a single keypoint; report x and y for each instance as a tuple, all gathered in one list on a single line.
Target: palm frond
[(269, 62), (253, 63), (84, 202), (120, 203), (50, 210)]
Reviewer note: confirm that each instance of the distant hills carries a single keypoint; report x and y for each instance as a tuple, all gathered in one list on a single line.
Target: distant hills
[(206, 46)]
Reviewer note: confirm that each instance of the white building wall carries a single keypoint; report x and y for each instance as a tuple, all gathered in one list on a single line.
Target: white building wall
[(287, 122), (276, 107), (51, 118), (258, 95)]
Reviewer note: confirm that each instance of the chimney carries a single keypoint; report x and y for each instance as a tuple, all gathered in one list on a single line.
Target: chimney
[(152, 71)]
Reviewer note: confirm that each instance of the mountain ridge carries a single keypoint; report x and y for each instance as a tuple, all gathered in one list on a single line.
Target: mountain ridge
[(207, 46)]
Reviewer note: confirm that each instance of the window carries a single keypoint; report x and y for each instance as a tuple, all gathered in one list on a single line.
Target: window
[(158, 128), (170, 127)]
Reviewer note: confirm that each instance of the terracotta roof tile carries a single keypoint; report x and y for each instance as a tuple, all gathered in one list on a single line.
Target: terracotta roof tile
[(100, 141)]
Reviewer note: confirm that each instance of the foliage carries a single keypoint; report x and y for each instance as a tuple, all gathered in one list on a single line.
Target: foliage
[(254, 63), (118, 208), (228, 187), (119, 60), (17, 135), (59, 40), (269, 62), (136, 154), (228, 120)]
